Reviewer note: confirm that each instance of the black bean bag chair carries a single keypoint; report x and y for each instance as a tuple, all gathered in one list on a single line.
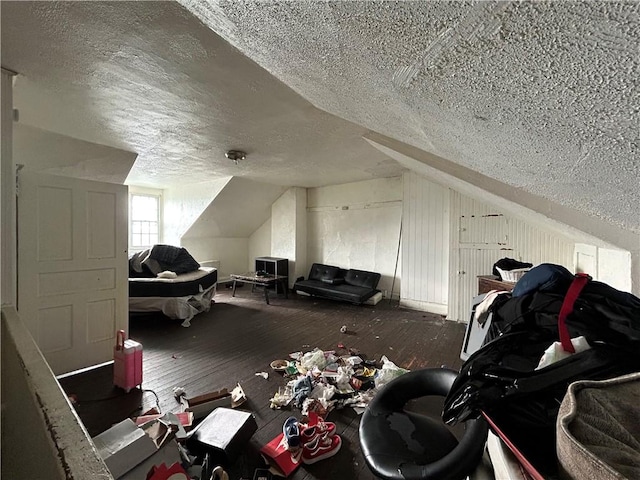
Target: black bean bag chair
[(404, 445)]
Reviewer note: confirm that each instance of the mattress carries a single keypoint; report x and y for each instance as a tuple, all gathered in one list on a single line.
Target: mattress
[(191, 283)]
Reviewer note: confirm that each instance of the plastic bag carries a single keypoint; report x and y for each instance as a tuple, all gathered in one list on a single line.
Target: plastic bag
[(388, 372), (314, 358)]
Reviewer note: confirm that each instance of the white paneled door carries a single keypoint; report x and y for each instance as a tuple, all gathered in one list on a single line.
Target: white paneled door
[(72, 267), (479, 239)]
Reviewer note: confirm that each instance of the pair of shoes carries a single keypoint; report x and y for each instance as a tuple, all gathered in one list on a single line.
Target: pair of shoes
[(317, 428), (291, 431), (319, 440), (323, 446)]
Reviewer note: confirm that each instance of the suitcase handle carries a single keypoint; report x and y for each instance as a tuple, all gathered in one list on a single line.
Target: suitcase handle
[(120, 340)]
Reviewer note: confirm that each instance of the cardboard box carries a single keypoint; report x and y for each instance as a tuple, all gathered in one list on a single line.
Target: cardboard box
[(130, 451), (223, 434), (168, 454), (124, 446), (282, 462)]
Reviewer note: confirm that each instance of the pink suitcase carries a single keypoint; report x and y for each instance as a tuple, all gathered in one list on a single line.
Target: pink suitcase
[(127, 362)]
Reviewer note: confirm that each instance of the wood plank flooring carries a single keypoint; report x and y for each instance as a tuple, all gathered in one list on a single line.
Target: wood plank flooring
[(239, 337)]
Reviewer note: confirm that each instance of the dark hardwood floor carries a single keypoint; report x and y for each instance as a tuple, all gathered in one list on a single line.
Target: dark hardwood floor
[(240, 336)]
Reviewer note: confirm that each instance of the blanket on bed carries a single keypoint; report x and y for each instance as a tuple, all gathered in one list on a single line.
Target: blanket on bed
[(160, 258)]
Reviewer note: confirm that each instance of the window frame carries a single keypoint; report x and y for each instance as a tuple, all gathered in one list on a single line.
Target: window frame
[(149, 193)]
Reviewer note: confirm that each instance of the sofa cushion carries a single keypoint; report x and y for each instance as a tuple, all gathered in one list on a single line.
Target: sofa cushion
[(349, 293), (324, 272), (361, 278)]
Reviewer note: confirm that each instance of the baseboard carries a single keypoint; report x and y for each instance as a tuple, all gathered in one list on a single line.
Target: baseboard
[(436, 308)]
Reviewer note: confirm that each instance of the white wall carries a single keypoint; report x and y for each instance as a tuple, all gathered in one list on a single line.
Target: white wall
[(481, 234), (356, 225), (449, 239), (425, 245), (231, 252), (612, 267), (289, 231), (259, 244), (223, 229), (183, 205), (55, 154)]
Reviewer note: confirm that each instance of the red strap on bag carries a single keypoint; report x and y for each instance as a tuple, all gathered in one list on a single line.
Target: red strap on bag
[(579, 281)]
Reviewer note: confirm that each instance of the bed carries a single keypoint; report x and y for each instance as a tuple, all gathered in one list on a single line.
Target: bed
[(167, 279)]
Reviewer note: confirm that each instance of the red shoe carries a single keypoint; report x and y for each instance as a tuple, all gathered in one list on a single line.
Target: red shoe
[(316, 427), (320, 448)]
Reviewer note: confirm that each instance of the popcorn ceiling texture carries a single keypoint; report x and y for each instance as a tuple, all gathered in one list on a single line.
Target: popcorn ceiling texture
[(148, 77), (543, 96)]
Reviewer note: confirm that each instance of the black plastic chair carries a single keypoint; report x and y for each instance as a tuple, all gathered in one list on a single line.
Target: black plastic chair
[(404, 445)]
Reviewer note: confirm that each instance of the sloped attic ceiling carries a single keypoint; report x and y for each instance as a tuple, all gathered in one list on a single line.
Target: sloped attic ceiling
[(150, 78), (543, 96), (539, 95)]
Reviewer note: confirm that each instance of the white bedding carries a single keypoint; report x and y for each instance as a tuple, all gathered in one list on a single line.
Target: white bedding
[(183, 308), (184, 277)]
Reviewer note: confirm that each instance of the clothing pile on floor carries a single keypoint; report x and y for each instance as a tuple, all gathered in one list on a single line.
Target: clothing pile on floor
[(320, 381)]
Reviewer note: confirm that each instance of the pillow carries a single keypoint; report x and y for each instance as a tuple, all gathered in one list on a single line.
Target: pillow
[(167, 274)]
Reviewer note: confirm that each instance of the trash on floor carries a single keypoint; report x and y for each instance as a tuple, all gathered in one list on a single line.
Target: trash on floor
[(279, 365), (202, 405), (264, 375), (282, 397), (185, 418), (238, 396), (325, 380)]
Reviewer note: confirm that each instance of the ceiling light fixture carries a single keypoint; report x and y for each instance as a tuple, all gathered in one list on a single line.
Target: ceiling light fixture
[(235, 155)]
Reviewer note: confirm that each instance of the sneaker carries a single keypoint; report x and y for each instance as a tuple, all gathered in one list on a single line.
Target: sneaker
[(316, 427), (291, 430), (320, 448)]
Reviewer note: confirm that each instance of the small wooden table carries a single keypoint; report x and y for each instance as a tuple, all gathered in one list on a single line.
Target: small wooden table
[(265, 281)]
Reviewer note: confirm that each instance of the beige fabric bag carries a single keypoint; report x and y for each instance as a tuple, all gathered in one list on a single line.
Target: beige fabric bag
[(598, 429)]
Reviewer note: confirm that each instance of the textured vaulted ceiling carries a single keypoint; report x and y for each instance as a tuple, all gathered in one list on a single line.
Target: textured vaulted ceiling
[(543, 96)]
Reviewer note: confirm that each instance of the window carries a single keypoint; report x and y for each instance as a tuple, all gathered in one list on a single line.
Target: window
[(144, 219)]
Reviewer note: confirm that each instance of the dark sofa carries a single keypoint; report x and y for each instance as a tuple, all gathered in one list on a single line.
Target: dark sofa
[(335, 283)]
